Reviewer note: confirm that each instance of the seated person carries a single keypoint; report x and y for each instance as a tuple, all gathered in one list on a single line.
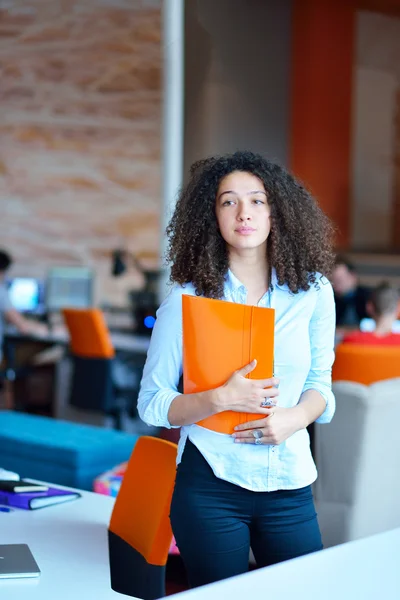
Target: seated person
[(8, 314), (350, 297), (383, 308)]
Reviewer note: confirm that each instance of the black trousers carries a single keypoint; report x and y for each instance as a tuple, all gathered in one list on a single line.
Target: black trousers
[(216, 522)]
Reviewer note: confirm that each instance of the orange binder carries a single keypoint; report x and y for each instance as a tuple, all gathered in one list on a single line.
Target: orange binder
[(220, 337)]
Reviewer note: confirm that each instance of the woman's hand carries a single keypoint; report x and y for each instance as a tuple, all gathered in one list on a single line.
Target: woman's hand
[(248, 395), (274, 429)]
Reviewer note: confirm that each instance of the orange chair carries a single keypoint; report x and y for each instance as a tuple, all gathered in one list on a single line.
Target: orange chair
[(95, 385), (139, 534), (89, 332), (366, 364)]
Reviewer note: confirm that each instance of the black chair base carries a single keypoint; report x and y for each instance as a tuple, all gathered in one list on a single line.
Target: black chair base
[(131, 574)]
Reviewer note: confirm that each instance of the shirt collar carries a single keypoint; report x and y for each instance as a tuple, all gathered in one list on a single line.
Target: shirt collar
[(235, 285), (233, 282)]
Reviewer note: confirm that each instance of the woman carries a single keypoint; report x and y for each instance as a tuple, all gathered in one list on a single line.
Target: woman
[(246, 231)]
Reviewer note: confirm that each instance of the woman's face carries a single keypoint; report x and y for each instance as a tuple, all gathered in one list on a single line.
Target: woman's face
[(243, 212)]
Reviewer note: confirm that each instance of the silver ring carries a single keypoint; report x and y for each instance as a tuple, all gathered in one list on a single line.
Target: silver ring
[(267, 402), (257, 441), (257, 434)]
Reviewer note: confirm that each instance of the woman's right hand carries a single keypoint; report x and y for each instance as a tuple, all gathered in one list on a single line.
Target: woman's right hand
[(241, 394)]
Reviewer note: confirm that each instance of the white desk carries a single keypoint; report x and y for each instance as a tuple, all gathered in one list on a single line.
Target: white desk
[(367, 569), (69, 543), (121, 341)]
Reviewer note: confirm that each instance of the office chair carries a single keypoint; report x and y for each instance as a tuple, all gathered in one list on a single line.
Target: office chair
[(95, 384), (366, 364), (139, 534)]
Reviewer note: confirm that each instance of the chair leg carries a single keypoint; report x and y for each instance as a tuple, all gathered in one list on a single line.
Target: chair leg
[(118, 420), (8, 395)]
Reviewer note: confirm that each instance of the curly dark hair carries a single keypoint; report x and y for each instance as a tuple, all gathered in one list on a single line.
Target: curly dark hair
[(299, 243)]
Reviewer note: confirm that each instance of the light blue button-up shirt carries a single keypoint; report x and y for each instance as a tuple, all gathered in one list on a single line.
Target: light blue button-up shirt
[(304, 353)]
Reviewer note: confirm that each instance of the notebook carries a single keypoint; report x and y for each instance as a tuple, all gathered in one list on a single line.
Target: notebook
[(10, 475), (17, 487), (16, 560), (33, 500), (220, 337)]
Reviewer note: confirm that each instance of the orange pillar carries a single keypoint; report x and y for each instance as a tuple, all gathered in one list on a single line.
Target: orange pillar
[(321, 97)]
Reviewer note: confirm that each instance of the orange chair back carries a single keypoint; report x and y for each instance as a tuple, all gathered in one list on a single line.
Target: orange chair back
[(366, 364), (90, 337), (141, 512)]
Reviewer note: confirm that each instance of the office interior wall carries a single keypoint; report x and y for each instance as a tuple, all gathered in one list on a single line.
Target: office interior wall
[(237, 77), (376, 139), (80, 126), (373, 168)]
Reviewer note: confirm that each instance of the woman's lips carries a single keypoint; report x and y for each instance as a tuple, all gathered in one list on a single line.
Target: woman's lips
[(245, 230)]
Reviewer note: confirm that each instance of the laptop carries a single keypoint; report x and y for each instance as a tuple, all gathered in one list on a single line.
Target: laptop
[(16, 561)]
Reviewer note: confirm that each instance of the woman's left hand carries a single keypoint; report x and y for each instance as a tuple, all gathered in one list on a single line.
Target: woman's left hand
[(274, 429)]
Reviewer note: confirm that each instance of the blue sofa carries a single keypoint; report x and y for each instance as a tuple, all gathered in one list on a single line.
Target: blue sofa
[(60, 452)]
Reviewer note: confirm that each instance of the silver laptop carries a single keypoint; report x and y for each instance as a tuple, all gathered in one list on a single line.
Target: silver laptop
[(16, 560)]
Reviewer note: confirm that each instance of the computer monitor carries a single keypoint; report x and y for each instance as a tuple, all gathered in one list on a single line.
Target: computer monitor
[(27, 295), (369, 325), (69, 287)]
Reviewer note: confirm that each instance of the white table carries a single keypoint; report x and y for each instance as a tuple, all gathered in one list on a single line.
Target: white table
[(367, 569), (121, 341), (69, 543)]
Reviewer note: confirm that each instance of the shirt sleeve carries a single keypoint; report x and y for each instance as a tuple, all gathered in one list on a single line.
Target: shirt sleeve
[(322, 342), (163, 368)]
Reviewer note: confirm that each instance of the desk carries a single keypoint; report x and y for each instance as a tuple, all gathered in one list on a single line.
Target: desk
[(121, 341), (367, 569), (58, 339), (69, 543)]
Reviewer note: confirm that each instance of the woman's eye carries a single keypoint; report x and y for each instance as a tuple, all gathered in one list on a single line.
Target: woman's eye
[(258, 201), (227, 203)]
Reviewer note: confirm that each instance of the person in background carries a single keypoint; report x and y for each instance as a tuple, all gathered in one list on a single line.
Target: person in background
[(350, 297), (383, 308), (8, 314)]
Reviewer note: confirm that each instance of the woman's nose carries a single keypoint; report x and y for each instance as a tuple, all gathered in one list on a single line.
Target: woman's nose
[(244, 215)]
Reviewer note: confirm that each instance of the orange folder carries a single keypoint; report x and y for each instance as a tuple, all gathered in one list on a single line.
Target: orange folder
[(220, 337)]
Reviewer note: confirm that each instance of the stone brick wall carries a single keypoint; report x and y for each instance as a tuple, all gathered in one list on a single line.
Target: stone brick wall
[(80, 116)]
